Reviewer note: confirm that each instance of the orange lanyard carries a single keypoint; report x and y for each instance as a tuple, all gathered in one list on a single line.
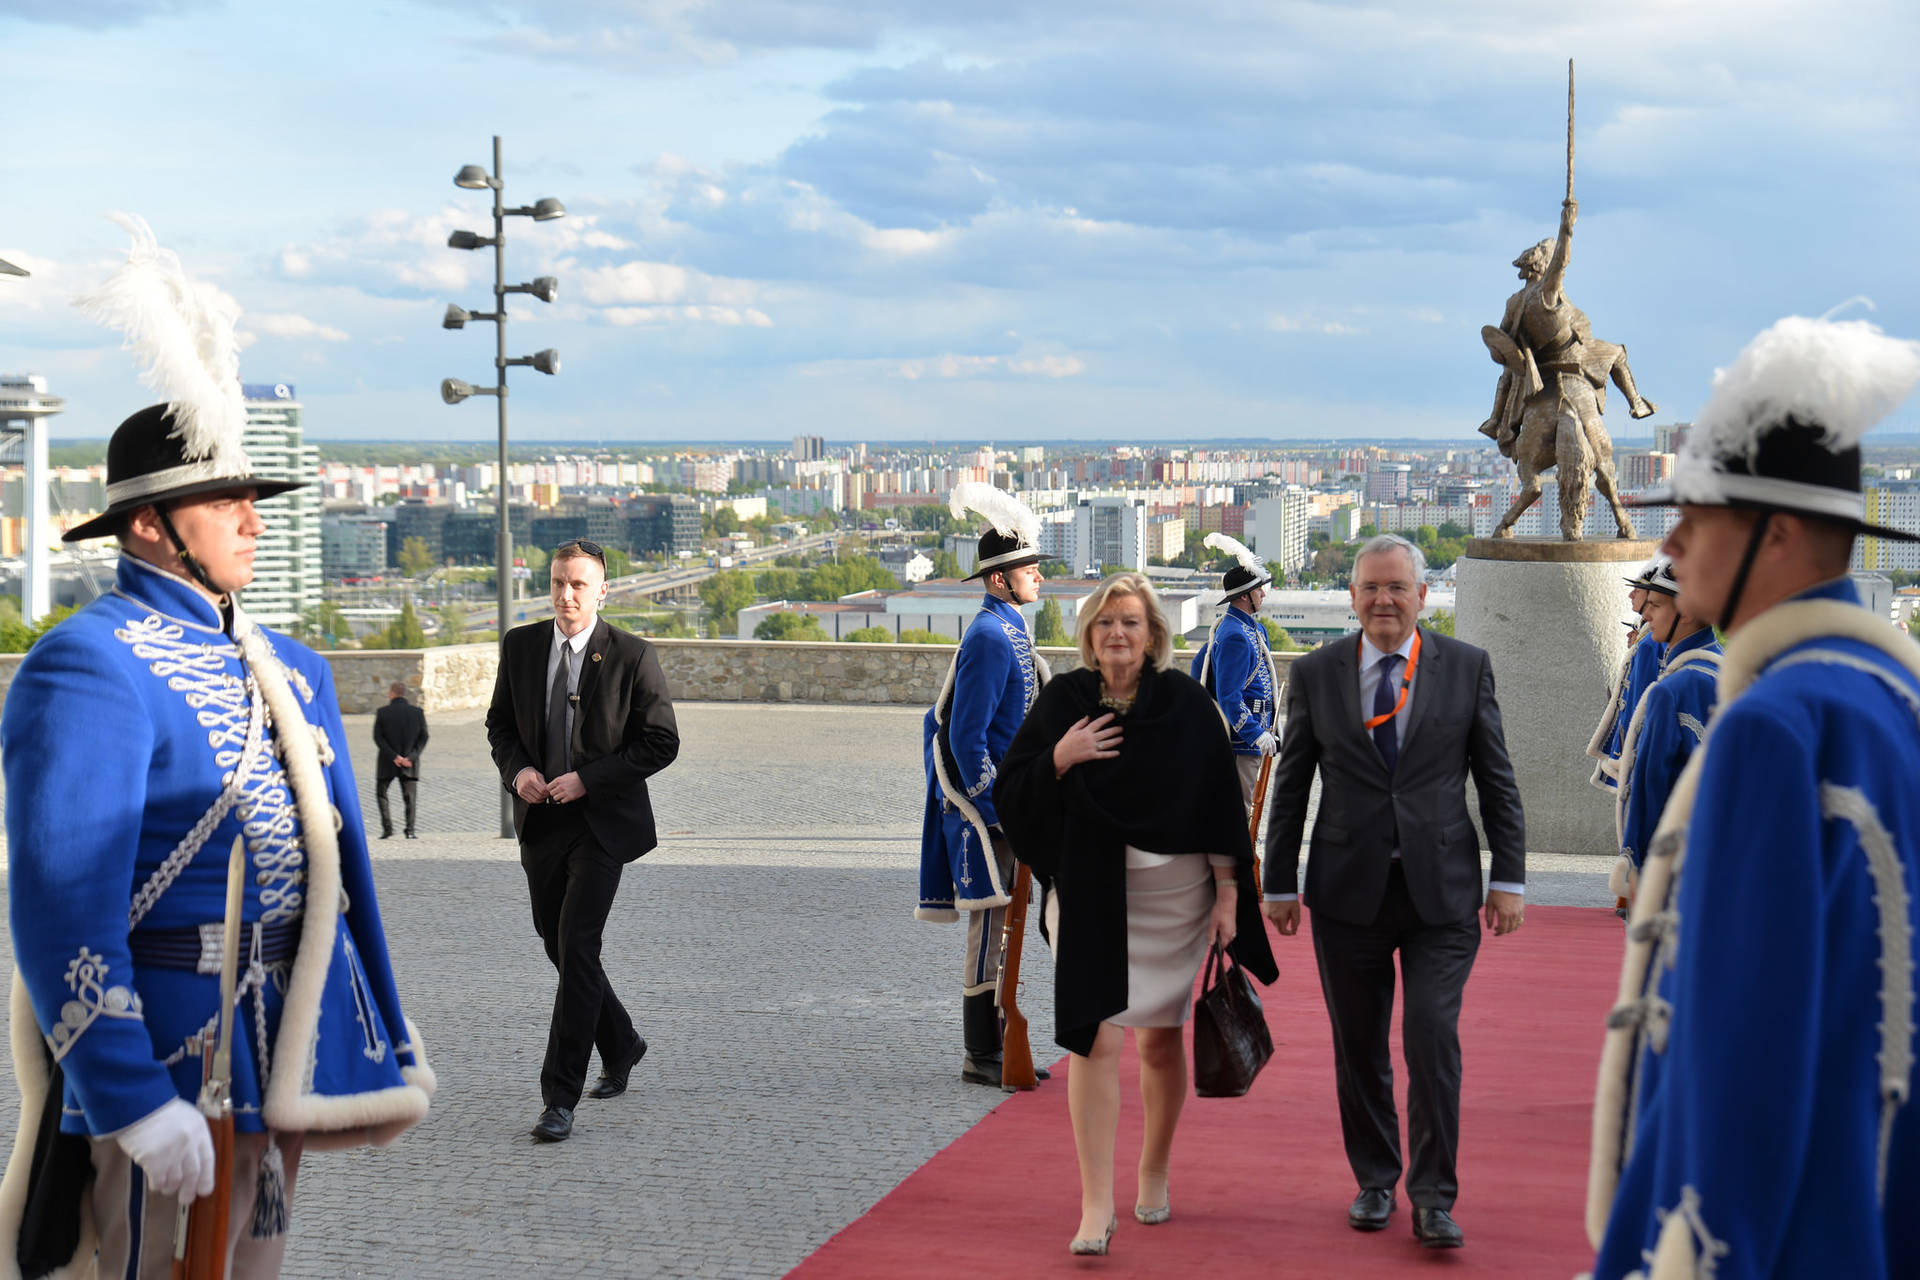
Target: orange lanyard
[(1406, 683)]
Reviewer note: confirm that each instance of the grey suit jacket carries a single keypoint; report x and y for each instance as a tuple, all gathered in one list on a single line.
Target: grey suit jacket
[(1452, 730)]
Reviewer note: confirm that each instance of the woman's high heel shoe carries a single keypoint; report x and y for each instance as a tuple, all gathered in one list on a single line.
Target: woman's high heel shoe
[(1089, 1247), (1153, 1217)]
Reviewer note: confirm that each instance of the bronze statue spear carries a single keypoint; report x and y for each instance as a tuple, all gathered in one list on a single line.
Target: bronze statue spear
[(1569, 199)]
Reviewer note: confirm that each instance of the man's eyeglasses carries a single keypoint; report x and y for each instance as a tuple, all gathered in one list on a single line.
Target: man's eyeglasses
[(580, 546)]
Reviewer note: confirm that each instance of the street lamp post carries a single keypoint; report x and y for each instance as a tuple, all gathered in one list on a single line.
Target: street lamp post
[(453, 390)]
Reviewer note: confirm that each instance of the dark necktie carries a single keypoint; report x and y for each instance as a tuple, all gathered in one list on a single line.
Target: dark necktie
[(558, 747), (1385, 734)]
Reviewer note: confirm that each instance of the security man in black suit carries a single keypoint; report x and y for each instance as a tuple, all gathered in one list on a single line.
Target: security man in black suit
[(580, 719), (400, 734), (1395, 719)]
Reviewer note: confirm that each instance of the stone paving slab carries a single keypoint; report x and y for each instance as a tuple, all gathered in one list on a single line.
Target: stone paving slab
[(804, 1028)]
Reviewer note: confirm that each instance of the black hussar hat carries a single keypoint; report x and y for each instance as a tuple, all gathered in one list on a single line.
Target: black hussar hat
[(147, 463), (1782, 429), (1010, 542), (182, 332), (1248, 573)]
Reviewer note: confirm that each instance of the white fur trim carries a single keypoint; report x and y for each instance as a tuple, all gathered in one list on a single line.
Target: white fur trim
[(958, 798), (30, 1073), (287, 1106), (1620, 880)]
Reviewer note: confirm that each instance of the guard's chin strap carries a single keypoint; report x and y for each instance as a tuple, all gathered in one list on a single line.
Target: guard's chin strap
[(187, 558), (1746, 566)]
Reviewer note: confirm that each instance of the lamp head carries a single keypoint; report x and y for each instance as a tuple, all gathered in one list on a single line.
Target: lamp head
[(453, 391), (547, 361), (468, 240), (546, 209), (472, 177), (545, 288), (456, 318)]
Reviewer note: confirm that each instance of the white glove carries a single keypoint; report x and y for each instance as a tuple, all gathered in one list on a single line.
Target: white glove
[(1267, 743), (174, 1148)]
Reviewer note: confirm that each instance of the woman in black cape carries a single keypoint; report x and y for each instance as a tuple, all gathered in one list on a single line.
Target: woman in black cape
[(1120, 792)]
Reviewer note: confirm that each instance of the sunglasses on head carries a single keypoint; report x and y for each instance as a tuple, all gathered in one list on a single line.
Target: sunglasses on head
[(580, 546)]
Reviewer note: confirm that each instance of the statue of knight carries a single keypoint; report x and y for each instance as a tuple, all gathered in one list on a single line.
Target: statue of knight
[(1546, 410)]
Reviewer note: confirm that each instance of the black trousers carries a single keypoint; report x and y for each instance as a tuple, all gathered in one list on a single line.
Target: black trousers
[(1356, 976), (408, 788), (572, 882)]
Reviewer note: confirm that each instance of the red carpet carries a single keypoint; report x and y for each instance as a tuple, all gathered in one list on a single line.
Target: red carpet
[(1260, 1184)]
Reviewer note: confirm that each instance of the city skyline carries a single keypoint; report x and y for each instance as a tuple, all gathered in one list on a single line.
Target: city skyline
[(894, 223)]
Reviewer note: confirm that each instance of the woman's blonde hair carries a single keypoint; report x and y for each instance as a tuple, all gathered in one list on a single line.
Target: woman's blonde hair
[(1159, 634)]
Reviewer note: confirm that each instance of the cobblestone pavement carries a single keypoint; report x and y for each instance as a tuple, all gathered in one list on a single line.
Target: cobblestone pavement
[(804, 1028)]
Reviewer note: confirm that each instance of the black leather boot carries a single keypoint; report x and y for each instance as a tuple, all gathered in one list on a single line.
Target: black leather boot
[(980, 1022)]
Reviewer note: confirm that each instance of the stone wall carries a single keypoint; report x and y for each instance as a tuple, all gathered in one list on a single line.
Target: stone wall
[(460, 677)]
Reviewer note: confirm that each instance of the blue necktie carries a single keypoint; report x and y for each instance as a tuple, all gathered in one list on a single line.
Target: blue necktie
[(1385, 734)]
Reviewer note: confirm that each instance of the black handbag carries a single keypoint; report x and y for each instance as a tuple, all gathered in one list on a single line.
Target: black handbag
[(1230, 1037)]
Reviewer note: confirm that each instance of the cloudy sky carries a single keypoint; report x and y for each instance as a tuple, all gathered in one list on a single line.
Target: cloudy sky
[(930, 220)]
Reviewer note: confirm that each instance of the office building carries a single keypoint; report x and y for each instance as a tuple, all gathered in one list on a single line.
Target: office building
[(287, 558)]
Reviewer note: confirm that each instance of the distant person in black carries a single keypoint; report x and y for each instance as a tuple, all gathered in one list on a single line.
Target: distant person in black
[(400, 732)]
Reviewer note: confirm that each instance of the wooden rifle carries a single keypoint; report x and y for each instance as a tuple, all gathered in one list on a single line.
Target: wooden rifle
[(200, 1230), (1253, 824), (1016, 1055)]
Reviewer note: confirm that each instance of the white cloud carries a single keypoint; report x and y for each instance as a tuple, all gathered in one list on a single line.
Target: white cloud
[(1280, 322), (290, 326), (949, 367), (726, 317)]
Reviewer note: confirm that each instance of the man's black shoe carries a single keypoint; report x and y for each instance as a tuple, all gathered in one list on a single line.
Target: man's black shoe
[(1436, 1229), (612, 1083), (386, 835), (412, 836), (980, 1069), (556, 1125), (1371, 1209)]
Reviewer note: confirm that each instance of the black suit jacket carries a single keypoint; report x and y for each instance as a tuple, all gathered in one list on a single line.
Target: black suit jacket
[(399, 729), (623, 728), (1452, 730)]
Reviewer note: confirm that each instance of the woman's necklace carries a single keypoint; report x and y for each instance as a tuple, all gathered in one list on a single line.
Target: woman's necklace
[(1115, 703)]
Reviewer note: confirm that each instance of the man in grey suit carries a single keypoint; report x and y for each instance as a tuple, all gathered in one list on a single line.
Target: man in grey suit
[(1395, 719)]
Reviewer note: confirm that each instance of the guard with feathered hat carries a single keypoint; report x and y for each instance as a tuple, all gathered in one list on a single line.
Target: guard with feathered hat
[(1755, 1115), (1236, 664), (966, 863), (1637, 670), (223, 745)]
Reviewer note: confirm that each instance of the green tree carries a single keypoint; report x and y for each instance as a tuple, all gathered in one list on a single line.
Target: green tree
[(16, 635), (1367, 531), (1050, 628), (453, 623), (725, 594), (405, 631), (869, 635), (945, 565), (1277, 638), (854, 573), (1452, 531), (779, 584), (789, 626), (1441, 621), (726, 522), (415, 560), (619, 563), (535, 558), (917, 635)]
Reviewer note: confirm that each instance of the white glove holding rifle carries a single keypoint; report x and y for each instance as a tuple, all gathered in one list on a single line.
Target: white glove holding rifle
[(1267, 744), (173, 1148)]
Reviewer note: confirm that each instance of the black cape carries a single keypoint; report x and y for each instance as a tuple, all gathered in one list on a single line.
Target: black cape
[(1173, 788)]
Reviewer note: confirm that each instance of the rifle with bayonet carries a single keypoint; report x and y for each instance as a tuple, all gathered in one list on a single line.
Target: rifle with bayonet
[(200, 1230), (1016, 1055)]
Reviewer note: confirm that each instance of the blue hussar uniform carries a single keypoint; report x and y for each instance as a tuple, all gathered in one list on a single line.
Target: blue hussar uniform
[(140, 738), (1642, 669), (1237, 668), (1669, 722), (993, 681), (1755, 1114)]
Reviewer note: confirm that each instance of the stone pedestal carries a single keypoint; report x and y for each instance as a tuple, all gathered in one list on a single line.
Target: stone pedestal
[(1548, 613)]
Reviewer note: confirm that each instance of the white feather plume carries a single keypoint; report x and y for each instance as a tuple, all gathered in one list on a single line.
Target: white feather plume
[(1235, 548), (1009, 516), (182, 333), (1840, 375)]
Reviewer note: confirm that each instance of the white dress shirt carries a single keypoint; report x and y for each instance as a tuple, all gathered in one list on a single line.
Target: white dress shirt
[(561, 641), (1370, 668)]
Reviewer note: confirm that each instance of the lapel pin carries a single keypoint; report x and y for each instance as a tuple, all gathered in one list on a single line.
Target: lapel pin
[(597, 657)]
